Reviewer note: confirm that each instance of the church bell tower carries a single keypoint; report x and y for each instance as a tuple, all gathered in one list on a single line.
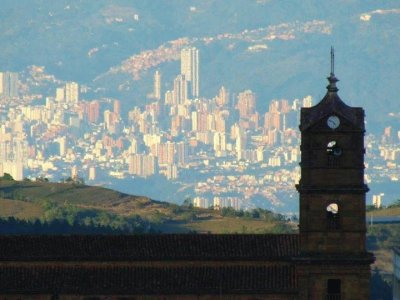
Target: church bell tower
[(334, 262)]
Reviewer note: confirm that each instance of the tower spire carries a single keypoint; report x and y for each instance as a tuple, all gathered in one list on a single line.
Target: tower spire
[(332, 61), (332, 78)]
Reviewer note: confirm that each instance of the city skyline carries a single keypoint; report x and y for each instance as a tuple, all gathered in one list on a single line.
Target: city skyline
[(207, 113), (173, 135)]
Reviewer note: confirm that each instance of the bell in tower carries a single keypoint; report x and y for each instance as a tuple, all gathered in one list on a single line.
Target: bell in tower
[(332, 198)]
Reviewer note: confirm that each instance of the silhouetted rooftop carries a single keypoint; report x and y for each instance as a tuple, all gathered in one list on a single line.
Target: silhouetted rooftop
[(148, 247), (117, 280)]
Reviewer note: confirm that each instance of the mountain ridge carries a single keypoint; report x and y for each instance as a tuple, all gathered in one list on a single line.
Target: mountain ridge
[(60, 35)]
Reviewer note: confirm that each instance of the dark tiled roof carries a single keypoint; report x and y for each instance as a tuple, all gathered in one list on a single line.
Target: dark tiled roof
[(331, 104), (148, 247), (78, 279)]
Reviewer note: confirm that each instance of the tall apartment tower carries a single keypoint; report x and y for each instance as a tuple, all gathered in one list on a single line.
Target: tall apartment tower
[(246, 104), (72, 92), (190, 68), (180, 93), (1, 83), (333, 262), (9, 84), (223, 97), (157, 85)]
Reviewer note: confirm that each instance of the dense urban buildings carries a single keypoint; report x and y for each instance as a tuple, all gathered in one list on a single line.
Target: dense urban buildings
[(231, 146), (326, 260)]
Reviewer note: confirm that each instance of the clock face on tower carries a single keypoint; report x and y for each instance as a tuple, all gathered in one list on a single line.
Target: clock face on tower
[(333, 122)]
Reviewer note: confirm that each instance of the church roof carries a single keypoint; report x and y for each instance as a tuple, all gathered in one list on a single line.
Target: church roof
[(147, 280), (331, 104), (149, 247), (171, 264)]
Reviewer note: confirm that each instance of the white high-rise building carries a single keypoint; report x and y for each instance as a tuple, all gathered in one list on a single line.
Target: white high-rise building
[(1, 83), (172, 171), (92, 173), (60, 94), (157, 85), (9, 84), (63, 145), (180, 94), (14, 168), (74, 172), (201, 202), (72, 92), (377, 200), (190, 68), (307, 101), (241, 144)]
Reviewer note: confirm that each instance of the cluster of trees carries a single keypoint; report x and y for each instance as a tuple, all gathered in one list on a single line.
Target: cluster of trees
[(380, 288), (257, 213), (17, 226), (70, 219), (74, 180), (73, 215), (6, 177), (392, 205), (384, 236)]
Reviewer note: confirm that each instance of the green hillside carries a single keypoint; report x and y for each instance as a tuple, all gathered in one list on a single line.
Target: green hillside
[(383, 237), (74, 194), (89, 205), (393, 210), (20, 209)]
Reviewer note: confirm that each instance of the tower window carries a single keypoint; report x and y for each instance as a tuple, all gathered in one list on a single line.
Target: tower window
[(333, 216), (334, 152), (334, 289), (330, 146)]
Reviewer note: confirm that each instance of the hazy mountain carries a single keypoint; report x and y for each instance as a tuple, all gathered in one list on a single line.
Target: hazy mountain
[(82, 40)]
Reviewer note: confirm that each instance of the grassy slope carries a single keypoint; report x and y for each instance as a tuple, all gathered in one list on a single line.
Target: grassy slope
[(79, 195), (221, 225), (65, 192), (383, 261), (31, 194), (20, 209), (393, 211), (381, 239), (383, 251), (231, 224)]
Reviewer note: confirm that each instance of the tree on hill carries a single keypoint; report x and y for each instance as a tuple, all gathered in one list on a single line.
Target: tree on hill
[(42, 179), (395, 204), (74, 180), (7, 176)]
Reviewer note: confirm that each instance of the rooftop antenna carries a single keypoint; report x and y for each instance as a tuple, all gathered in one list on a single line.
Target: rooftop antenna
[(332, 61)]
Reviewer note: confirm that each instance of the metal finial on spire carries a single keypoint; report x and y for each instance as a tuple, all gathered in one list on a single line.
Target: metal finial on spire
[(332, 78)]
